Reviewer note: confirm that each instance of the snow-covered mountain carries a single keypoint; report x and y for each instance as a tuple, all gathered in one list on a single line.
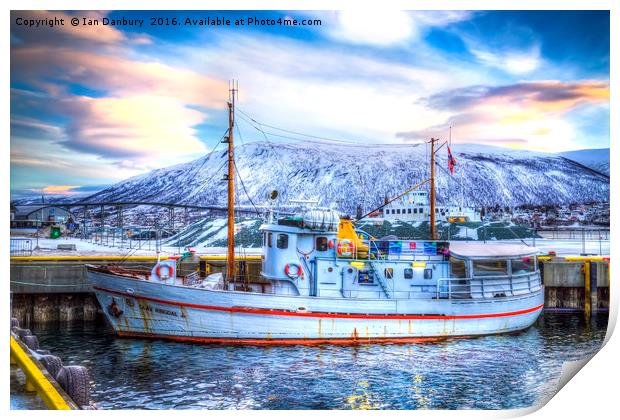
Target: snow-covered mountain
[(352, 175), (597, 159)]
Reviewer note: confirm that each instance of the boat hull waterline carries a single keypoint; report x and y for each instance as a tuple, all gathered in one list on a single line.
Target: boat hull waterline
[(141, 308)]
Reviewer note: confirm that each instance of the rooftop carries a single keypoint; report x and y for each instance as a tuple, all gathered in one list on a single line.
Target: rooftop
[(487, 250)]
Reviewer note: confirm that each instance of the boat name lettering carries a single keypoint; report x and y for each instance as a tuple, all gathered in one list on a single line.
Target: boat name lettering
[(145, 307)]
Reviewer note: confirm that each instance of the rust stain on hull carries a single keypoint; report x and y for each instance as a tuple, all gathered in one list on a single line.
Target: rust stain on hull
[(145, 315)]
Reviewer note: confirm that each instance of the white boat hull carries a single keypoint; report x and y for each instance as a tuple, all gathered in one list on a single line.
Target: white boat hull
[(156, 310)]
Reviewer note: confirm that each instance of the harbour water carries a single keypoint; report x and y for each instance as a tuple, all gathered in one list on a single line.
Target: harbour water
[(493, 372)]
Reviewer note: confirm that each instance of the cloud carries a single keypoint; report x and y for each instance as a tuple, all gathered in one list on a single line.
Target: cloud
[(333, 90), (141, 126), (143, 116), (515, 62), (522, 115), (546, 94), (384, 27), (115, 75), (23, 125), (60, 189)]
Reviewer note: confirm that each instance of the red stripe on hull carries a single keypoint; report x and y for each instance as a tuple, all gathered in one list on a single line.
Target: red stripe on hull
[(287, 341), (320, 314)]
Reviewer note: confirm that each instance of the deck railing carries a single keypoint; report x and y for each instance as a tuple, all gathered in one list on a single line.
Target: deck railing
[(488, 287), (21, 247)]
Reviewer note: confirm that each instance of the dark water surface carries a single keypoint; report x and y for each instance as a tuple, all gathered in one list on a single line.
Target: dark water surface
[(494, 372)]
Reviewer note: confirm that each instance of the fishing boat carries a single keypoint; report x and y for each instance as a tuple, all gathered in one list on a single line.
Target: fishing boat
[(324, 281)]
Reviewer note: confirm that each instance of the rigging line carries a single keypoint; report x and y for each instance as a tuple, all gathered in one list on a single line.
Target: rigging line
[(296, 132), (245, 189), (208, 156), (207, 181), (447, 173), (239, 175), (275, 153), (350, 142)]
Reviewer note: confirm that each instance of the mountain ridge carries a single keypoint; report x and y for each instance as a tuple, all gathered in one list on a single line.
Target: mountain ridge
[(348, 176)]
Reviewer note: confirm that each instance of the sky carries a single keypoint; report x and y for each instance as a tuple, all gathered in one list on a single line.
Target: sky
[(93, 105)]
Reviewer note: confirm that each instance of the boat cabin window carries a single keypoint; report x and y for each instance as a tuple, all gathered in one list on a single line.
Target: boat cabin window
[(408, 274), (389, 273), (364, 277), (397, 211), (269, 239), (490, 267), (457, 268), (408, 211), (321, 243), (282, 242), (523, 265), (420, 210), (428, 273), (415, 211)]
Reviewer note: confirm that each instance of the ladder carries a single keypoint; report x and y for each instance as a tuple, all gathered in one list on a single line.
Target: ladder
[(382, 280)]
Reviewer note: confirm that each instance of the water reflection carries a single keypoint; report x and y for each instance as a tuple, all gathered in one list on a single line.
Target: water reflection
[(494, 372)]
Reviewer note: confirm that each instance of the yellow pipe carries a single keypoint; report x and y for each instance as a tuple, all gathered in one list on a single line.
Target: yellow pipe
[(586, 281), (593, 258), (223, 258), (88, 258), (37, 379), (121, 258), (572, 258)]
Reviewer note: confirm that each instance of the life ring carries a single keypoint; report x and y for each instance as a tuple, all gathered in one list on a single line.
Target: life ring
[(168, 271), (344, 248), (293, 271)]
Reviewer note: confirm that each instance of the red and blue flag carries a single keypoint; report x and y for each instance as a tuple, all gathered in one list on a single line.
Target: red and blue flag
[(451, 161)]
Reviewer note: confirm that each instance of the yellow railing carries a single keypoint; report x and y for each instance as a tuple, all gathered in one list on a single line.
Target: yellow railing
[(573, 258), (37, 381), (121, 258)]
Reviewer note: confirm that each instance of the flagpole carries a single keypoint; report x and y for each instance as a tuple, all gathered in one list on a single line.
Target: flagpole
[(432, 191)]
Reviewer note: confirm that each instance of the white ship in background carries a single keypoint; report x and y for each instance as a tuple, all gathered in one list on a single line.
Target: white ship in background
[(415, 207)]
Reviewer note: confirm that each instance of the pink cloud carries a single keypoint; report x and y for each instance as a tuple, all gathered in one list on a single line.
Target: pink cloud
[(527, 114), (60, 189), (117, 75)]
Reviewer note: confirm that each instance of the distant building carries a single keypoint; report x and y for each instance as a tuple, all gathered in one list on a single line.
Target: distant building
[(34, 216)]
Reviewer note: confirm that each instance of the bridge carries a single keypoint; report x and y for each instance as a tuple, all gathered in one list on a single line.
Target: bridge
[(75, 207)]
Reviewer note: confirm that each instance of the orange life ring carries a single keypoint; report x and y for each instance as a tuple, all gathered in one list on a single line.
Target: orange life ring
[(345, 248), (295, 272), (168, 271)]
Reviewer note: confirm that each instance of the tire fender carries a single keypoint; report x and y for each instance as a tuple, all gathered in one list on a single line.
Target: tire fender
[(52, 364), (76, 383)]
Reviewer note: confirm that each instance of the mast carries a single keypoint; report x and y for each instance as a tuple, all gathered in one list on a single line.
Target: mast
[(432, 192), (230, 258)]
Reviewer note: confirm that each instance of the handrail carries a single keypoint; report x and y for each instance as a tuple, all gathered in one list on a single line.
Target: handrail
[(48, 393), (512, 284), (382, 280)]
